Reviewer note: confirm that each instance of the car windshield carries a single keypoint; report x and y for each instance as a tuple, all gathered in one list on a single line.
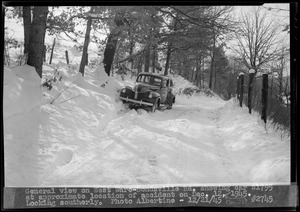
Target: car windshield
[(148, 79)]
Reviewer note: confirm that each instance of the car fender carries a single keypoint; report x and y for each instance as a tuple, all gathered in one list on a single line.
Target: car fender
[(155, 94), (128, 87), (128, 92)]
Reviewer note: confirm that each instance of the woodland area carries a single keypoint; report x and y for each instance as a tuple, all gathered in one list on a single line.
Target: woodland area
[(191, 41), (65, 124)]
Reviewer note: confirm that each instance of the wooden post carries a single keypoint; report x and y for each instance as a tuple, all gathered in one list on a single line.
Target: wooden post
[(250, 87), (238, 87), (67, 56), (264, 97), (52, 51), (241, 88), (44, 53)]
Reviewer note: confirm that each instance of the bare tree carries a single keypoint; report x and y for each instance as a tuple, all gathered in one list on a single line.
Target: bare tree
[(257, 39), (221, 23)]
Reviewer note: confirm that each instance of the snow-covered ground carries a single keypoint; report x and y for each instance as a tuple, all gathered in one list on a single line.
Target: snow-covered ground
[(80, 134), (88, 138)]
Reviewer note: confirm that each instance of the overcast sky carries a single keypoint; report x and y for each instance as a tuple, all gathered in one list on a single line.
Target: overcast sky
[(279, 13)]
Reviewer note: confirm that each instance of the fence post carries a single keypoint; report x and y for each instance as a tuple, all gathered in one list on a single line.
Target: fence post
[(67, 56), (52, 51), (250, 86), (241, 88), (264, 98), (238, 87)]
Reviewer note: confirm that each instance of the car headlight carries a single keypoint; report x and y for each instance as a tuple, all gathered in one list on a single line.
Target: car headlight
[(150, 95)]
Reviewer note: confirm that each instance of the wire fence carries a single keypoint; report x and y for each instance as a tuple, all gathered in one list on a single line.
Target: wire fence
[(278, 101)]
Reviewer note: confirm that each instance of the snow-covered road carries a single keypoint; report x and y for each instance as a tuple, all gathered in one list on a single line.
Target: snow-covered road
[(166, 147), (185, 145)]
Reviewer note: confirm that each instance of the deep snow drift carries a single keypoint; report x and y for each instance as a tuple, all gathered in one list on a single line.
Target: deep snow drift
[(87, 137)]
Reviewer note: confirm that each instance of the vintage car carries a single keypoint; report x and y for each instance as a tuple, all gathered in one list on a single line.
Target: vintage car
[(150, 90)]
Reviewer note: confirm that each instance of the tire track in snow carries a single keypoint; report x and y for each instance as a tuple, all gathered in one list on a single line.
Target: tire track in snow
[(149, 151), (183, 150), (227, 166), (118, 130)]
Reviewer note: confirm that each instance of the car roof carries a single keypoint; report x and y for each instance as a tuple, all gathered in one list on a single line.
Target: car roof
[(155, 74)]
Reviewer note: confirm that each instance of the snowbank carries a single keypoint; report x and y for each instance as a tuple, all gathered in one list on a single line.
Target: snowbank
[(21, 90), (181, 84), (40, 136), (22, 99), (267, 156)]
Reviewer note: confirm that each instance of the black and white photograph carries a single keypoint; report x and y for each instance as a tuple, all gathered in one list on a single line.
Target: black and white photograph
[(146, 96)]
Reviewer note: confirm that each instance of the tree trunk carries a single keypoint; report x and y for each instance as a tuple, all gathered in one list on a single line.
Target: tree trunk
[(27, 26), (212, 64), (198, 69), (109, 52), (168, 59), (37, 38), (215, 82), (153, 59), (185, 69), (203, 74), (111, 45), (140, 64), (280, 78), (147, 59), (211, 71), (195, 80), (131, 52), (271, 87), (131, 44), (199, 78), (193, 71), (181, 66), (85, 46)]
